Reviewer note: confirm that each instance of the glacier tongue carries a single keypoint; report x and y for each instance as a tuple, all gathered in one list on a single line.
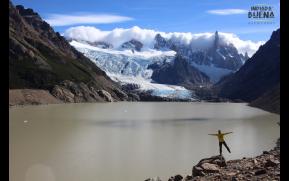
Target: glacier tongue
[(128, 66), (162, 90)]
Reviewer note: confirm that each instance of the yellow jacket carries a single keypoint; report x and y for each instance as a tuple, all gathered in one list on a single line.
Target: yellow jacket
[(220, 136)]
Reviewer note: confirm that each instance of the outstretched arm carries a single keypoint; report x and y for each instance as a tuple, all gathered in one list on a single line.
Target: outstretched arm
[(213, 134), (228, 133)]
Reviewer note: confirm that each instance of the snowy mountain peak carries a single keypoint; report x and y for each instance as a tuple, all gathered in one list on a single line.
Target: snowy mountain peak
[(132, 45), (161, 43)]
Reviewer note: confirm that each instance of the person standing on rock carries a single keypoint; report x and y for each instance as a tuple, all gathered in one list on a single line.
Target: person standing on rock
[(220, 136)]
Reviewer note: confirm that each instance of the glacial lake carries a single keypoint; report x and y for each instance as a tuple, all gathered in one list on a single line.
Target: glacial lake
[(130, 141)]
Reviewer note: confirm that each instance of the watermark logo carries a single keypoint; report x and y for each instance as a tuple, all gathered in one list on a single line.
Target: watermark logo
[(261, 14)]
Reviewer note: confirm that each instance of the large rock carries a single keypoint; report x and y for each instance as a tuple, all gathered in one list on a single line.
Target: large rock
[(210, 168), (176, 178), (209, 165)]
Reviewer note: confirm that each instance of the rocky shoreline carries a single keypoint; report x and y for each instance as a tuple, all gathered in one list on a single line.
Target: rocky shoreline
[(263, 167), (73, 93), (21, 97)]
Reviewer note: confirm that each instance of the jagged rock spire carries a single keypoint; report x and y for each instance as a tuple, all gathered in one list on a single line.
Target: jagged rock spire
[(216, 42)]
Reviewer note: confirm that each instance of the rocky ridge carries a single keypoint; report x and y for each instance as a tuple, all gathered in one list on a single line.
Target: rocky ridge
[(178, 72), (41, 59), (258, 75), (258, 80)]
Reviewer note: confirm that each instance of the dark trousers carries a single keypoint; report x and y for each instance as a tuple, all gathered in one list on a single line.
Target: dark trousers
[(220, 146)]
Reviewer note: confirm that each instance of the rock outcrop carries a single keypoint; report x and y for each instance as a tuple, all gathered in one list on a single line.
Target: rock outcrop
[(69, 92), (132, 45), (209, 165), (179, 72)]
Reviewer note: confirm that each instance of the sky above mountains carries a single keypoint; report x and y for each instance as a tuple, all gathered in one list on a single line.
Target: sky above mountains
[(196, 16)]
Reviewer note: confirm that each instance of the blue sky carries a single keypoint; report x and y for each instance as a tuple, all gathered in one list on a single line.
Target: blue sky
[(194, 16)]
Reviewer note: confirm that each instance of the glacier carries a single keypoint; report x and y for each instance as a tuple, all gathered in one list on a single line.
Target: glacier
[(126, 67)]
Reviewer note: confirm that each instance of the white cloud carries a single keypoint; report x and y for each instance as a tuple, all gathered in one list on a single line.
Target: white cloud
[(227, 11), (64, 20), (243, 46), (118, 36)]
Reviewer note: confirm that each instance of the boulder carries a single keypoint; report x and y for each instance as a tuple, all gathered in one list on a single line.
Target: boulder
[(260, 172), (218, 160), (209, 165), (198, 171), (188, 178), (176, 178), (210, 168)]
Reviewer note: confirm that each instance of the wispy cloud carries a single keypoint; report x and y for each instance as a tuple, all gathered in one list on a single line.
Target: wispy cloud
[(227, 11), (84, 18)]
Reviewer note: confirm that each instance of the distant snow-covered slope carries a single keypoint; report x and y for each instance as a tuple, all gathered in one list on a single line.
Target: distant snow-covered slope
[(125, 62), (128, 67)]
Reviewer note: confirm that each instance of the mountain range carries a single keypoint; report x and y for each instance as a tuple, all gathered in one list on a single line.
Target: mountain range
[(214, 61), (176, 65), (73, 69)]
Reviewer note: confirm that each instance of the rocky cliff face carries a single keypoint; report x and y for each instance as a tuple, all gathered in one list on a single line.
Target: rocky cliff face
[(40, 58), (132, 45), (259, 74), (178, 72)]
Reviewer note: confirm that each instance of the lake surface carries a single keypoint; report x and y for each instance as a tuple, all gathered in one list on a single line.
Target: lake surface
[(130, 141)]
